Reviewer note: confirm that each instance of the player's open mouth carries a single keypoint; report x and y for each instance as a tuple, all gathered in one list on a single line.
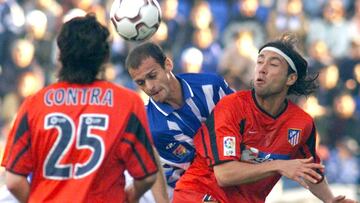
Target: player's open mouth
[(260, 81), (155, 93)]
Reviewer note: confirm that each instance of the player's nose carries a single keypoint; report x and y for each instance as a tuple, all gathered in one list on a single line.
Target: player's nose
[(150, 86), (262, 68)]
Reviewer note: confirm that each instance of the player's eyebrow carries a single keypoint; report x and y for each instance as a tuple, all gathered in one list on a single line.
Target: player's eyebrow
[(276, 58), (145, 76), (261, 56), (272, 58)]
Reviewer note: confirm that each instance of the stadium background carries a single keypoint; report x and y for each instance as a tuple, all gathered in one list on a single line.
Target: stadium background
[(210, 36)]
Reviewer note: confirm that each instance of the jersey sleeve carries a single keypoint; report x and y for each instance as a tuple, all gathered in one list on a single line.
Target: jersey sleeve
[(224, 86), (218, 140), (136, 146), (17, 154)]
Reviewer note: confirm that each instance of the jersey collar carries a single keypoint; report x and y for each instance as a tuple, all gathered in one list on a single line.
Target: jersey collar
[(165, 108), (265, 112)]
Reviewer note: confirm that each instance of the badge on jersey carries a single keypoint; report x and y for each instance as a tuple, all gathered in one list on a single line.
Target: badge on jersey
[(294, 136), (229, 146), (180, 151)]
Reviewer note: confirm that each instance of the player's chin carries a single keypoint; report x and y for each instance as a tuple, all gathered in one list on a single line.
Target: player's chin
[(158, 98), (261, 92), (258, 89)]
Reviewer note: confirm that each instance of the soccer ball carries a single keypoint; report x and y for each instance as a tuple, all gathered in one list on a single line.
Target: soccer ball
[(135, 20)]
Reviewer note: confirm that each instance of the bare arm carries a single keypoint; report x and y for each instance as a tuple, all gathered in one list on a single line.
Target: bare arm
[(236, 173), (18, 186), (138, 188), (323, 192), (159, 188)]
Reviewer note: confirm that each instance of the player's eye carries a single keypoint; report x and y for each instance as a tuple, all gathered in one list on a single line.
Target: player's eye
[(140, 83), (152, 76)]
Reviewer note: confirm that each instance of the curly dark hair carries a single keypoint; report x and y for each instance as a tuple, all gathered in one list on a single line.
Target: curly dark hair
[(305, 84), (84, 48)]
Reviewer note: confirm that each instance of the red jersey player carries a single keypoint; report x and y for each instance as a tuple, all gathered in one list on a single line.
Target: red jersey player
[(76, 137), (253, 137)]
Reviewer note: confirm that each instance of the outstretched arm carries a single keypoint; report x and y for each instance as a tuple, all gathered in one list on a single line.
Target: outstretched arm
[(138, 188), (323, 192), (17, 185), (159, 188), (227, 174)]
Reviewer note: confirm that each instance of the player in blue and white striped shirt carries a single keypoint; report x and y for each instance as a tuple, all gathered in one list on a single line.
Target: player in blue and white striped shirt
[(178, 104)]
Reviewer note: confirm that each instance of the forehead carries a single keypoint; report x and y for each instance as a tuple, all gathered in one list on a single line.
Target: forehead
[(146, 66), (271, 55)]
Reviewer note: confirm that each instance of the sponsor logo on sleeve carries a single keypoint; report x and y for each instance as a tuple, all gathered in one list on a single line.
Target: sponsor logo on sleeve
[(294, 136), (254, 155), (229, 146)]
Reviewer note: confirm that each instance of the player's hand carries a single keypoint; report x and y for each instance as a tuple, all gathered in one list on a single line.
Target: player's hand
[(300, 170), (130, 195), (341, 199)]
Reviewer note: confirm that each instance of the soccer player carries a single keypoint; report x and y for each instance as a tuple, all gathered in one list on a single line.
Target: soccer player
[(177, 107), (76, 137), (254, 137)]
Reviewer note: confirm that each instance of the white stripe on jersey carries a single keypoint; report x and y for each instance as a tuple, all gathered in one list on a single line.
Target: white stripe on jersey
[(187, 84), (180, 137), (221, 93), (173, 126), (209, 95), (195, 109), (158, 108), (184, 138)]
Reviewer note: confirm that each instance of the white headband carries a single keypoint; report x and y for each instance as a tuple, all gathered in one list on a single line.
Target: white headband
[(286, 57)]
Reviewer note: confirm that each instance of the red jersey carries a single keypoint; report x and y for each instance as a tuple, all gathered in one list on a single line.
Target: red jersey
[(76, 141), (239, 130)]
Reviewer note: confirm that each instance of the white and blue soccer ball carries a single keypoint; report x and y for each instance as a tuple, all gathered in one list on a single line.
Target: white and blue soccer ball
[(135, 20)]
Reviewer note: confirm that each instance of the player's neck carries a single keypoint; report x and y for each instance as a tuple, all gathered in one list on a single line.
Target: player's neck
[(176, 99), (273, 105)]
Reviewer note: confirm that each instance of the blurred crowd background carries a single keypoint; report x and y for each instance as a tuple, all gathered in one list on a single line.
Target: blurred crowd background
[(221, 36)]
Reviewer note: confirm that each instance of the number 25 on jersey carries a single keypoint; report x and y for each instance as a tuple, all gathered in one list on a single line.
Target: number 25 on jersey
[(69, 133)]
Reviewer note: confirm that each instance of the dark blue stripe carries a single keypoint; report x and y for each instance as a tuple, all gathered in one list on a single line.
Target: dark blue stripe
[(19, 155), (137, 156), (210, 124), (22, 128), (135, 127)]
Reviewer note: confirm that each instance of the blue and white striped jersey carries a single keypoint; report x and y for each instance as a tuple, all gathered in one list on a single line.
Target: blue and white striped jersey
[(173, 129)]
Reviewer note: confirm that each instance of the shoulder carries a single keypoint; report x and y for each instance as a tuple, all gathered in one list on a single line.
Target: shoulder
[(157, 120), (201, 78), (154, 113), (234, 99), (299, 112)]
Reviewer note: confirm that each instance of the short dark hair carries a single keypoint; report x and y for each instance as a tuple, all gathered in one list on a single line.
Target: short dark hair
[(84, 47), (144, 51), (305, 84)]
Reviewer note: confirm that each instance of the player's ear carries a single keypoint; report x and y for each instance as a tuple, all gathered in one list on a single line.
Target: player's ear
[(291, 79), (168, 64)]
